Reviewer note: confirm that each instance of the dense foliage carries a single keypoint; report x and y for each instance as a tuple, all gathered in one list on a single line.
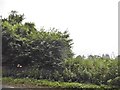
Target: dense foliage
[(98, 70), (24, 45), (40, 54)]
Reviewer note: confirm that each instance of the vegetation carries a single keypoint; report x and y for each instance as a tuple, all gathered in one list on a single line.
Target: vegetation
[(34, 83), (24, 45), (41, 54)]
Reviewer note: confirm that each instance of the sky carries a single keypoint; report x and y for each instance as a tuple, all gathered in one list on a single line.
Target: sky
[(92, 24)]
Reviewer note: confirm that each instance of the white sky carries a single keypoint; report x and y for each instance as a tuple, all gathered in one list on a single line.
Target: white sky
[(92, 24)]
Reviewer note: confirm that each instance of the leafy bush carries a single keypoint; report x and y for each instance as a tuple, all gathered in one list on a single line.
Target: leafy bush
[(97, 71), (115, 81)]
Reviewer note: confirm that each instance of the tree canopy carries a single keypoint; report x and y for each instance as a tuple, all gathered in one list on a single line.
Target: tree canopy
[(25, 45)]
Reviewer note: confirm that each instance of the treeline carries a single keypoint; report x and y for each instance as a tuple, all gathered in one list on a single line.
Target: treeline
[(40, 54)]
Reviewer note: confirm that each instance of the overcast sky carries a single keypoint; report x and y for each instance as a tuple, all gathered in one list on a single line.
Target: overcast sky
[(92, 24)]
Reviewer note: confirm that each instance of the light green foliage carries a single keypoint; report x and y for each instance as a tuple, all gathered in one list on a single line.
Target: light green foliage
[(96, 70), (45, 83)]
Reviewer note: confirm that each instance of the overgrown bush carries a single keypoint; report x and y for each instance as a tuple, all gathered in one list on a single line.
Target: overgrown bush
[(97, 70), (115, 81)]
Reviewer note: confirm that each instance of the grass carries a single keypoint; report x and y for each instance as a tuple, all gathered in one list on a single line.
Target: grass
[(34, 83)]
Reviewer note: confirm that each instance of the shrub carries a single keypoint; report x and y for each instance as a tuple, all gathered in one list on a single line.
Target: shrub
[(115, 81)]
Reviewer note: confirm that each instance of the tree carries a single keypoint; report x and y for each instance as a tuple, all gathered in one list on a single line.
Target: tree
[(24, 44)]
